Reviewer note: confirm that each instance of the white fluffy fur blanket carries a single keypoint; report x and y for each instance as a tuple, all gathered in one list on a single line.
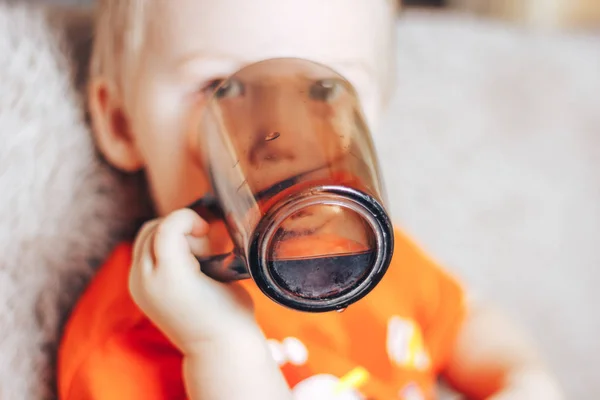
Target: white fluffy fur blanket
[(491, 154), (61, 209)]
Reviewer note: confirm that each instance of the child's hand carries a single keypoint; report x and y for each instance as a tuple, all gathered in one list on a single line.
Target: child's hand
[(167, 284), (225, 353), (493, 359), (532, 383)]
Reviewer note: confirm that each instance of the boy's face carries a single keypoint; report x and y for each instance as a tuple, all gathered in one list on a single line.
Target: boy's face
[(197, 42)]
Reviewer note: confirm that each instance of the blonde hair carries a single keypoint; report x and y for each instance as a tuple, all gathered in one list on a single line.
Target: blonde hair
[(118, 40), (120, 30)]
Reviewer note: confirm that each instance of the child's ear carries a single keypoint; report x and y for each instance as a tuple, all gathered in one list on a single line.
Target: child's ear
[(111, 127)]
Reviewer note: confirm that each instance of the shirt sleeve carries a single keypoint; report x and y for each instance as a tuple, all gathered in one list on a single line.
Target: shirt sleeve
[(438, 299)]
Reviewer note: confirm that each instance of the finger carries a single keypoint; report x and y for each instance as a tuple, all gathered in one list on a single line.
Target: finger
[(171, 244), (199, 246), (144, 259)]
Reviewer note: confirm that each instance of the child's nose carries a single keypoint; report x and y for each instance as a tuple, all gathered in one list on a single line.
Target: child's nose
[(271, 146), (277, 119)]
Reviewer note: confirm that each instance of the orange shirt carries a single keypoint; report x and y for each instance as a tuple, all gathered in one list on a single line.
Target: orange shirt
[(400, 333)]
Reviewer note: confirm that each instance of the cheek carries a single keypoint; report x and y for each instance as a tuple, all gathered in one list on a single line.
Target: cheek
[(175, 184), (161, 127), (158, 119)]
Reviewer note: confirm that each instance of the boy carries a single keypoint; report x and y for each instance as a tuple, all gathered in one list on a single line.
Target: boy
[(151, 326)]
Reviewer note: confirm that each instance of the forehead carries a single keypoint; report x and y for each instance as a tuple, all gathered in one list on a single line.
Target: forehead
[(245, 31)]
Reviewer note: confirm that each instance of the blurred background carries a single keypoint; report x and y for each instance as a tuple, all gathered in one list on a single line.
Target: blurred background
[(548, 13)]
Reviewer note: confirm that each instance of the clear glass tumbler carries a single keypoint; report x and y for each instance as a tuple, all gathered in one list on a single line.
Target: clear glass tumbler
[(296, 181)]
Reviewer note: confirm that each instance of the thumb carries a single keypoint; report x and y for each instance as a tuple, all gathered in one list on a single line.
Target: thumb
[(176, 235), (171, 238)]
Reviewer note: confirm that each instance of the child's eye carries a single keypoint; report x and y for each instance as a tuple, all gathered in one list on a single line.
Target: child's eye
[(222, 89), (325, 90), (211, 86)]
